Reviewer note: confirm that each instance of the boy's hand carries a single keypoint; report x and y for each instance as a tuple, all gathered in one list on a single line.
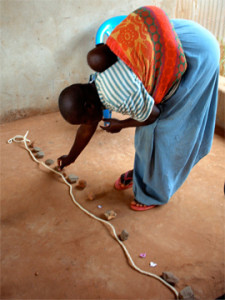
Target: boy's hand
[(64, 161), (113, 125)]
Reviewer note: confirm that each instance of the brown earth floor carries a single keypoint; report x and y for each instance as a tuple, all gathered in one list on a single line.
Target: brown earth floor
[(50, 249)]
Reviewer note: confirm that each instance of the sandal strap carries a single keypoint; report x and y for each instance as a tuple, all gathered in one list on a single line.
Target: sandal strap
[(125, 179)]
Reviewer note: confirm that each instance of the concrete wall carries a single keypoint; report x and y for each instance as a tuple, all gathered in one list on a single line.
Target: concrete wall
[(220, 117), (44, 45)]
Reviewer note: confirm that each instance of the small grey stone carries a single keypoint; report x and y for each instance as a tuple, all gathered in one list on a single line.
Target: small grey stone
[(36, 149), (72, 178), (187, 294), (170, 278), (40, 154), (124, 235), (49, 162)]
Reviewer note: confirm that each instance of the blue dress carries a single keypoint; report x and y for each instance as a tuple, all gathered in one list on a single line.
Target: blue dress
[(167, 150)]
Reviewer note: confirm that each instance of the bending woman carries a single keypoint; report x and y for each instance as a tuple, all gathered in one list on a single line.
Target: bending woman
[(164, 75)]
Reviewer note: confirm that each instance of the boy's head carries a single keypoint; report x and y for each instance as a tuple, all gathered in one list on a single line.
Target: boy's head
[(80, 104)]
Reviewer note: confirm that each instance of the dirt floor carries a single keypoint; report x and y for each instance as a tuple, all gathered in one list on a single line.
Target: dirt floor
[(50, 249)]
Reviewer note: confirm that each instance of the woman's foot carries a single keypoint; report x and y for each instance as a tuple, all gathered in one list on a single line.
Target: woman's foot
[(125, 181), (135, 205)]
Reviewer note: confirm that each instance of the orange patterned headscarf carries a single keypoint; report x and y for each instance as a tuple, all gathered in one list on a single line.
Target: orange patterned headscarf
[(146, 41)]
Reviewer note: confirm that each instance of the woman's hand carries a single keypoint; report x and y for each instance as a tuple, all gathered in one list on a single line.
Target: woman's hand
[(112, 126), (64, 161)]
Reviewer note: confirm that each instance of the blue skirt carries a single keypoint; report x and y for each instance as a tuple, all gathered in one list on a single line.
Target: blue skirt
[(167, 150)]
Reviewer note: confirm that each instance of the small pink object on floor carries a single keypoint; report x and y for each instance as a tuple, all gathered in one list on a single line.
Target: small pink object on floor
[(142, 255)]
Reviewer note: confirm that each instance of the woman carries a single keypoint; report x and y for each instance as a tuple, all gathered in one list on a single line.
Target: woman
[(164, 75)]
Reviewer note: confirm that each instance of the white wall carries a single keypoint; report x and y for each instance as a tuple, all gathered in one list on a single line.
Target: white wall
[(44, 44)]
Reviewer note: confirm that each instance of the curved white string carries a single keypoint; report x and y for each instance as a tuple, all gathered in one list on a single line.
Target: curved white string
[(20, 138)]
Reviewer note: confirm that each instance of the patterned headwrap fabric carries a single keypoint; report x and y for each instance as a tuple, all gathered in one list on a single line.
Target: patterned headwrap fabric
[(146, 41)]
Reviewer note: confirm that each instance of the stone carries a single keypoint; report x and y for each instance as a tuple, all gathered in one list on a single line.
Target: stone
[(170, 278), (81, 184), (57, 168), (31, 145), (49, 162), (91, 196), (187, 294), (36, 149), (110, 214), (72, 178), (40, 154), (124, 235)]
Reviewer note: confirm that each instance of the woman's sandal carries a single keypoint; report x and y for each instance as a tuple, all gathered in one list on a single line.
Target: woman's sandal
[(135, 206), (125, 181)]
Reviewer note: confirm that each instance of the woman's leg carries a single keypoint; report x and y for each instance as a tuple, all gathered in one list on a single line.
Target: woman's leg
[(167, 150)]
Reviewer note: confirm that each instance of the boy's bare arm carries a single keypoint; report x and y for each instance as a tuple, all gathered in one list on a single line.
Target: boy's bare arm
[(83, 136)]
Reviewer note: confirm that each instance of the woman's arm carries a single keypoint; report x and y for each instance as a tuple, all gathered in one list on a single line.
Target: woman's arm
[(115, 125), (83, 136), (133, 123)]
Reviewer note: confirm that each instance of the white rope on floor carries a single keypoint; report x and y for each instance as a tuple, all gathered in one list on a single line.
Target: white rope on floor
[(20, 138)]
